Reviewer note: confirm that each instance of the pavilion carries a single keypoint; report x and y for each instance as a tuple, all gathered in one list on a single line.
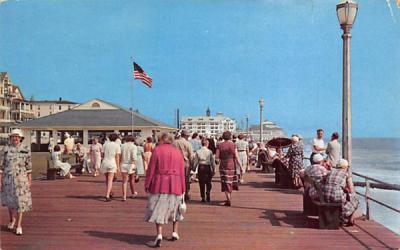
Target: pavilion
[(95, 118)]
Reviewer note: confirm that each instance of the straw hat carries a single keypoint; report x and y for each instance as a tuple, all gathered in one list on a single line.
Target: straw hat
[(317, 158), (17, 132)]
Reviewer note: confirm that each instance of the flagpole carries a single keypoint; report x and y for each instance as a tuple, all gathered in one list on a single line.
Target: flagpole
[(132, 83)]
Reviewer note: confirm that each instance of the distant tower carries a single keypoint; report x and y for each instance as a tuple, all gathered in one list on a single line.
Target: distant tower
[(208, 112)]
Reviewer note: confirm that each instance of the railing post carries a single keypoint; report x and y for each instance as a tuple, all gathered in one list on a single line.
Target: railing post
[(367, 212)]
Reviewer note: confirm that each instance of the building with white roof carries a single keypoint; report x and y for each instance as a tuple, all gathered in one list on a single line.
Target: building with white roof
[(208, 125)]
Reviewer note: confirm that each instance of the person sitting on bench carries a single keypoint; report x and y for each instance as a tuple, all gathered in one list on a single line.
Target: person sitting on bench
[(338, 187), (64, 166), (316, 172)]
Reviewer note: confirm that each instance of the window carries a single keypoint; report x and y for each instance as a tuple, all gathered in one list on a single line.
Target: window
[(59, 107), (38, 114), (38, 107), (95, 105), (69, 107)]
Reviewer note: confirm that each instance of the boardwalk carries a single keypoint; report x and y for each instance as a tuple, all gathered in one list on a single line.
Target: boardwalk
[(71, 214)]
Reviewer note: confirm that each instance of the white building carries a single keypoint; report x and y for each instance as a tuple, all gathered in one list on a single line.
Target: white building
[(270, 131), (208, 125), (14, 109), (50, 107)]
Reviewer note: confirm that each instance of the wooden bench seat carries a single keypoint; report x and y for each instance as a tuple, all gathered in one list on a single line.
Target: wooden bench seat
[(329, 213)]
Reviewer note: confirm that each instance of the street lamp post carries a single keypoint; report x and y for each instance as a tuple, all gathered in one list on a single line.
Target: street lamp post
[(261, 102), (247, 127), (346, 12)]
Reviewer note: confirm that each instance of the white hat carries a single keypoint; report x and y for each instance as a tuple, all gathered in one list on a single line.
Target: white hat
[(66, 135), (295, 138), (17, 132), (343, 163), (317, 158)]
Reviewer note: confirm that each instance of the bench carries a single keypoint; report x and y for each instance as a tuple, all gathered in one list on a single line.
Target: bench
[(52, 171), (329, 213), (282, 175)]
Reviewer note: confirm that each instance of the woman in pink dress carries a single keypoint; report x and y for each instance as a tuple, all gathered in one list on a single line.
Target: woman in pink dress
[(227, 154), (165, 181)]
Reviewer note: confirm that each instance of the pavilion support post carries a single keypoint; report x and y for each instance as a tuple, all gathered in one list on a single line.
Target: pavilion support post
[(85, 138), (38, 135), (55, 135), (27, 137)]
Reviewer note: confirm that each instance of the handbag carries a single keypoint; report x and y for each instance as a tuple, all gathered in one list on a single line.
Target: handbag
[(182, 205)]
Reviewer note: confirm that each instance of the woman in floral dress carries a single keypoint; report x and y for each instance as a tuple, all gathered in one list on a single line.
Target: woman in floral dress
[(16, 179), (295, 156)]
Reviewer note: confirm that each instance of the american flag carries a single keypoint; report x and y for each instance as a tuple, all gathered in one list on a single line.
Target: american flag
[(138, 73)]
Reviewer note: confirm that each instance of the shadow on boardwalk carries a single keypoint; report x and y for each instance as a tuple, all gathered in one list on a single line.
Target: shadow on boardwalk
[(132, 239)]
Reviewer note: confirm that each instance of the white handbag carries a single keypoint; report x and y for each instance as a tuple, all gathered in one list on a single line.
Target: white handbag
[(182, 206)]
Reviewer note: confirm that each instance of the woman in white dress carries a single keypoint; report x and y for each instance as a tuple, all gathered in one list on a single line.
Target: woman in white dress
[(139, 158), (128, 167), (110, 164), (95, 155), (64, 166)]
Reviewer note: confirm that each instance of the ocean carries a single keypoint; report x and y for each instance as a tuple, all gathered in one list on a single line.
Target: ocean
[(378, 158)]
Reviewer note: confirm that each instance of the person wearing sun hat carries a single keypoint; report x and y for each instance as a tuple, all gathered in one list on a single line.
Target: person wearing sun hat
[(338, 187), (16, 179), (316, 172)]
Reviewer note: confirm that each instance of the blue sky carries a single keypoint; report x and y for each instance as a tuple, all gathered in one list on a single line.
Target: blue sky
[(224, 54)]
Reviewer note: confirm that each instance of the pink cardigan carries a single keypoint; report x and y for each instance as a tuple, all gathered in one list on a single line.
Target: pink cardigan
[(166, 171)]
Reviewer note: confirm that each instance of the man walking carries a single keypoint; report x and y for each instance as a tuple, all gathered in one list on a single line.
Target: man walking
[(186, 148)]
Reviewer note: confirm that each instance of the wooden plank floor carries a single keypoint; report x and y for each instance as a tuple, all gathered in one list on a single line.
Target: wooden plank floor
[(71, 214)]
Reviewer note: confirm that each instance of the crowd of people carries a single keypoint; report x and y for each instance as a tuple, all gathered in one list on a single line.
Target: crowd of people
[(173, 161)]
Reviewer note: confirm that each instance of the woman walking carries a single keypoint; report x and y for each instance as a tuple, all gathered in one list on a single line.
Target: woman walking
[(128, 167), (139, 159), (148, 149), (16, 179), (228, 156), (95, 155), (205, 163), (165, 181), (110, 164)]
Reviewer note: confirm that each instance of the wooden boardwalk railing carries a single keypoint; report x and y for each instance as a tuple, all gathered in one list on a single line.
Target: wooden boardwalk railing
[(71, 214)]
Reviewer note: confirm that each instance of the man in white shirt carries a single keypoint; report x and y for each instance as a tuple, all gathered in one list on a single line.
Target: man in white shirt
[(69, 143), (318, 145)]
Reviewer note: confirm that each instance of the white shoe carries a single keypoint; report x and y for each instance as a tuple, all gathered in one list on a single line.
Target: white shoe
[(134, 195), (157, 242), (175, 236), (19, 231), (10, 226)]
